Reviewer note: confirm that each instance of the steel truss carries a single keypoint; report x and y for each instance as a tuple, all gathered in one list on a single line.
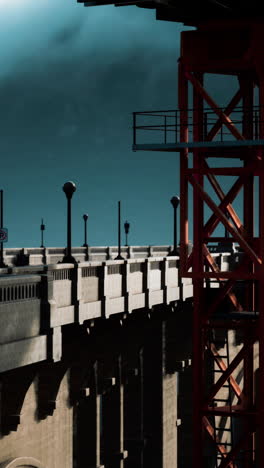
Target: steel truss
[(234, 379)]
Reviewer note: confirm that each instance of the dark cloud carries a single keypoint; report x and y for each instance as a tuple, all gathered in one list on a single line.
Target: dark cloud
[(66, 35), (69, 83)]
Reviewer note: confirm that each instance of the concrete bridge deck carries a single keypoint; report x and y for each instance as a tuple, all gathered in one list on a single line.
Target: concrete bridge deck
[(34, 307)]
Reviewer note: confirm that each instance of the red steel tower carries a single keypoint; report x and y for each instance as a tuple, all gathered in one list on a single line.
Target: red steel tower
[(217, 145)]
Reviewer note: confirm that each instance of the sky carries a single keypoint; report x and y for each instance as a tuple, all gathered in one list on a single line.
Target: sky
[(70, 78)]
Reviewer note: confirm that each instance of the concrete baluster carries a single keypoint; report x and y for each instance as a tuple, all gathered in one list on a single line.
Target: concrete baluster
[(130, 252), (146, 284), (77, 291), (103, 289), (164, 280), (125, 285)]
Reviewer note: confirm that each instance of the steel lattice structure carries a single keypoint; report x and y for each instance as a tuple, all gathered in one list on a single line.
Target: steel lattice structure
[(246, 64)]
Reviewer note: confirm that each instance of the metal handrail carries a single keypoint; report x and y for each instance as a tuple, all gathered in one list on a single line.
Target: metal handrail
[(210, 118)]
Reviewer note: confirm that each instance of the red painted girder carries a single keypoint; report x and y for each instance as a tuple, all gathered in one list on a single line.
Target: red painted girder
[(227, 171), (234, 411), (217, 126), (210, 430), (236, 388), (218, 239), (215, 268), (230, 324), (183, 106), (239, 238), (226, 288), (213, 221), (224, 118), (222, 275), (228, 460), (223, 292), (216, 186), (230, 369)]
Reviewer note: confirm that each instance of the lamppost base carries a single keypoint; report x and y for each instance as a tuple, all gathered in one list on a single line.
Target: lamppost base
[(68, 259), (119, 257), (85, 245), (173, 253)]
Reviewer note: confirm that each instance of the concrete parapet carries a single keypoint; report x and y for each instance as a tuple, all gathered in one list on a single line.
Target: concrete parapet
[(46, 255), (36, 301)]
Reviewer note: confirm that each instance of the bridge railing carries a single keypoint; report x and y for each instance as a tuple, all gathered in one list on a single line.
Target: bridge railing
[(19, 288), (50, 255)]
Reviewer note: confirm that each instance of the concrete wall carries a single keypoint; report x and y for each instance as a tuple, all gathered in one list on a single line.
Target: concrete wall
[(49, 441)]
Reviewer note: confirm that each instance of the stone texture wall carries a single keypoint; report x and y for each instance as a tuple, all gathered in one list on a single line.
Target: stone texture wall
[(48, 440), (170, 421)]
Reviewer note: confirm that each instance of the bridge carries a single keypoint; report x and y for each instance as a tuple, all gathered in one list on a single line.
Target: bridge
[(93, 355), (95, 361)]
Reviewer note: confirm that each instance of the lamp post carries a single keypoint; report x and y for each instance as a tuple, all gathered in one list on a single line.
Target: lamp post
[(69, 189), (85, 218), (2, 263), (119, 257), (175, 203), (126, 226), (42, 229)]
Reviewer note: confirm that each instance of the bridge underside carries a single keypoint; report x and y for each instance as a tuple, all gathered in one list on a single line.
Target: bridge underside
[(191, 12), (110, 401)]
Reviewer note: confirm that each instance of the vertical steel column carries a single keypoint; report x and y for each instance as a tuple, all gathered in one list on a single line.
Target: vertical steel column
[(198, 338), (183, 106), (247, 87), (261, 280)]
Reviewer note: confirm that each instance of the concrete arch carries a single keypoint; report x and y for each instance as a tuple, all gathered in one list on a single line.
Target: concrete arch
[(22, 462)]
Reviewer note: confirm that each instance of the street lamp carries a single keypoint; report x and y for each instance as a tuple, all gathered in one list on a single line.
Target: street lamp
[(2, 263), (42, 228), (175, 203), (126, 226), (119, 257), (85, 218), (69, 189)]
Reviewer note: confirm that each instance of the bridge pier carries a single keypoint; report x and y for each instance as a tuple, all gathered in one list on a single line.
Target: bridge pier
[(133, 401), (113, 421), (160, 401), (87, 425)]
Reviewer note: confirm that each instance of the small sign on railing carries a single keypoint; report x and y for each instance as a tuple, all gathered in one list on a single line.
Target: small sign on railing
[(3, 235)]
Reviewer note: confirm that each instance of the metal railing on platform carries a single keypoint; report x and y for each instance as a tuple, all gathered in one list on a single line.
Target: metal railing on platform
[(167, 125)]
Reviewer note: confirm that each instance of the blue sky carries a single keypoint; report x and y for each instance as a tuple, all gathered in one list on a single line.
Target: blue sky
[(70, 78)]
